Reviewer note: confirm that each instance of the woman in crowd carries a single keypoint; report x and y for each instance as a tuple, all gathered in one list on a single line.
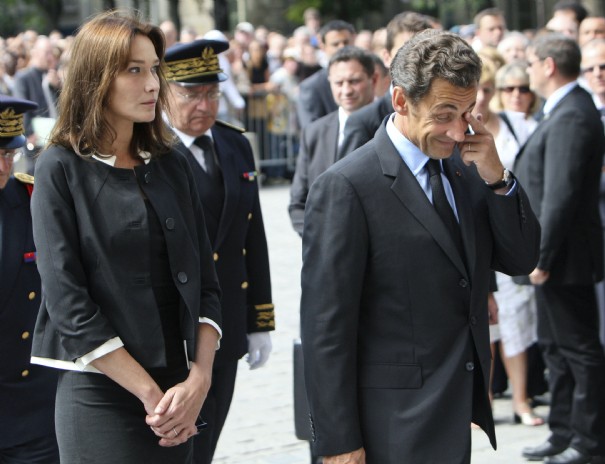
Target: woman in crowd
[(511, 125), (130, 309)]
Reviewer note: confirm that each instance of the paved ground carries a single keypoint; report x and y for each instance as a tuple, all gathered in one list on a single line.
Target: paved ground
[(260, 426)]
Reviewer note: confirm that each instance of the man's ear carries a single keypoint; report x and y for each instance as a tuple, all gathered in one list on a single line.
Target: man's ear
[(400, 101), (549, 66)]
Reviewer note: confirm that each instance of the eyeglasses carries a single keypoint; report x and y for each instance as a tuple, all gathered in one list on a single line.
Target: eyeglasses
[(11, 155), (591, 69), (531, 63), (213, 95), (512, 88)]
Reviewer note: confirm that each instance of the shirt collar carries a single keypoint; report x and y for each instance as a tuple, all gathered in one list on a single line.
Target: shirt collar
[(189, 139), (111, 161), (557, 96), (342, 118), (412, 155)]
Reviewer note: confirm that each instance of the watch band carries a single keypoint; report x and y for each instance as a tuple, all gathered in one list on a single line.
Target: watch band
[(507, 180)]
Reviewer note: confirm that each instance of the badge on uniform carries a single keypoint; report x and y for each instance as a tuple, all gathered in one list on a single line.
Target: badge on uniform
[(250, 176), (29, 257)]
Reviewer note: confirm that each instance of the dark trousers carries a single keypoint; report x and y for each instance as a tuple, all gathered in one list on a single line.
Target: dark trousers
[(214, 411), (568, 333), (40, 450)]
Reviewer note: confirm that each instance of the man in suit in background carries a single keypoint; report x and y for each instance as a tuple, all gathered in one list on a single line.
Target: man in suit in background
[(362, 126), (560, 166), (352, 77), (38, 83), (394, 289), (593, 71), (315, 96), (27, 392), (221, 160)]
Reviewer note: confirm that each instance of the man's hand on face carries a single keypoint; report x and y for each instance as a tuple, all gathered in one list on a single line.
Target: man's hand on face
[(480, 148)]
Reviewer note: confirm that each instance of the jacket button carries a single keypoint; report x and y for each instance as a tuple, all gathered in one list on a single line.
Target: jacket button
[(147, 177), (249, 216), (473, 320), (244, 252), (244, 285), (469, 366), (463, 283), (25, 335), (24, 373), (31, 295), (170, 223), (215, 256), (182, 277)]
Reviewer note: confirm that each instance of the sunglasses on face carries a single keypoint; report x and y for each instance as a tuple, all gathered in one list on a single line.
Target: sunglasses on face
[(520, 88)]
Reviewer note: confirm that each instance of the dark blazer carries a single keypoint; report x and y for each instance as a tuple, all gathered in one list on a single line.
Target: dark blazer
[(318, 150), (91, 232), (27, 392), (315, 98), (394, 328), (363, 124), (560, 168), (238, 242)]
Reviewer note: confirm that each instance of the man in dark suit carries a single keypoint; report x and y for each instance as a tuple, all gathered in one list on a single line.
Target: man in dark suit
[(593, 58), (561, 167), (361, 127), (315, 96), (34, 83), (221, 160), (27, 392), (352, 79), (394, 288)]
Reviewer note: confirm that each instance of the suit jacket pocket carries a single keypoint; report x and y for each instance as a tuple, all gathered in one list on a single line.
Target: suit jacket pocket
[(390, 376)]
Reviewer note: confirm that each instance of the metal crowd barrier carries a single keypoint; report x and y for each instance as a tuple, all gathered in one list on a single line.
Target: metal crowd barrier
[(272, 128)]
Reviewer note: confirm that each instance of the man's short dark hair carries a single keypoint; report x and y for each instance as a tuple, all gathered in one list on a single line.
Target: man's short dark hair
[(408, 21), (335, 25), (579, 11), (350, 53), (563, 50), (487, 12), (430, 55), (379, 65)]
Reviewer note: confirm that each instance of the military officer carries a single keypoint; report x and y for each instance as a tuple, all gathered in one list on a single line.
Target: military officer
[(27, 392), (223, 166)]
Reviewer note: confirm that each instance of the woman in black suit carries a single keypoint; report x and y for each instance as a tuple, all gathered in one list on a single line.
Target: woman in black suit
[(130, 308)]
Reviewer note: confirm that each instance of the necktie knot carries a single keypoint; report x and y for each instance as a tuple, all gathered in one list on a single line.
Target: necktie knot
[(434, 167), (207, 145), (204, 142)]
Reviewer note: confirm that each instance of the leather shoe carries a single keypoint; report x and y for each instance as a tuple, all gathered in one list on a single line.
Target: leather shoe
[(569, 456), (545, 450)]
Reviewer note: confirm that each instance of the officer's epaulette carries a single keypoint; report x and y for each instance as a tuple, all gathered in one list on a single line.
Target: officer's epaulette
[(27, 180), (230, 126)]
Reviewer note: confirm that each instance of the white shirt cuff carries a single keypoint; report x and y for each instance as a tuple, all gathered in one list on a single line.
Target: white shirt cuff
[(107, 347), (205, 320)]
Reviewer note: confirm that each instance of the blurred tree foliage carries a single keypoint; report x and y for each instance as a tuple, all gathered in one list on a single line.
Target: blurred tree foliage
[(19, 15), (348, 10)]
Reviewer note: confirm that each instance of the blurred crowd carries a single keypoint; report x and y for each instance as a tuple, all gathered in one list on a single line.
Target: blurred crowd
[(266, 67), (274, 91)]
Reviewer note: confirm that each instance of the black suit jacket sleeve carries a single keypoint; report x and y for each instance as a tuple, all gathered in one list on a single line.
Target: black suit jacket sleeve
[(315, 98), (340, 222), (566, 166), (300, 186)]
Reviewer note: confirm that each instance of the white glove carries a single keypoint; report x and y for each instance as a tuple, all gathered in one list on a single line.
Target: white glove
[(259, 348)]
